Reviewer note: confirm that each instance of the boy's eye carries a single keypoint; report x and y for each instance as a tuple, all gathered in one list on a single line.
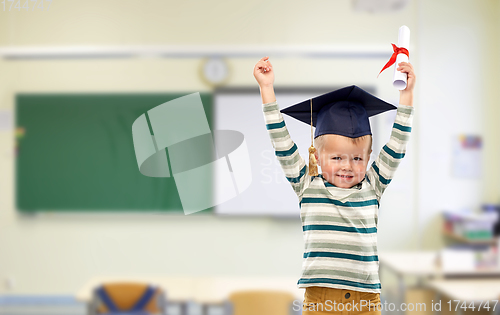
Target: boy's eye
[(357, 159), (336, 158)]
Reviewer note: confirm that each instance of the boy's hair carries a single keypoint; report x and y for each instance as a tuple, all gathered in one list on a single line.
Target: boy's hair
[(319, 142)]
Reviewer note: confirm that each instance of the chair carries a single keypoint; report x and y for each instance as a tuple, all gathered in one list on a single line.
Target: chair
[(262, 302), (127, 298)]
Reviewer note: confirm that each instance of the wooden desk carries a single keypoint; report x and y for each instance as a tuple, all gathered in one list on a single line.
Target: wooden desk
[(423, 265), (469, 290), (474, 291), (409, 263)]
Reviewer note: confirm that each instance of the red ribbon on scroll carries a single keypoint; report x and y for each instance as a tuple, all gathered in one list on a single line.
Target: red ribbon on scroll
[(397, 51)]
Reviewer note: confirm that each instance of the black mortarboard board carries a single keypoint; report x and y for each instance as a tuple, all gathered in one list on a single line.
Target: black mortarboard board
[(342, 112)]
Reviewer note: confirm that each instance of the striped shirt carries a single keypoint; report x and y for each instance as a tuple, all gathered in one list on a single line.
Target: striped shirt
[(339, 224)]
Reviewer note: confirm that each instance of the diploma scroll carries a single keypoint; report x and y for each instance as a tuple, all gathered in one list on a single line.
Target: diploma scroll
[(400, 78)]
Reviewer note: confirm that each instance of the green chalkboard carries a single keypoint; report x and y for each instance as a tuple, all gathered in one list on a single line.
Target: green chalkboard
[(77, 154)]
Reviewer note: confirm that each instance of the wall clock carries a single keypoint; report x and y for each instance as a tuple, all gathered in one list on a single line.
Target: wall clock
[(215, 71)]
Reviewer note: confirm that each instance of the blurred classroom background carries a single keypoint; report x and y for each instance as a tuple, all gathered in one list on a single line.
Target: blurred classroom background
[(70, 220)]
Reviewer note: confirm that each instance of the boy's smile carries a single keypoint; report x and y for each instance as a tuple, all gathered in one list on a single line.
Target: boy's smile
[(343, 163)]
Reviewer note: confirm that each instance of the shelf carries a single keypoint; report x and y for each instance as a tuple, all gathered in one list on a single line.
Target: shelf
[(462, 239)]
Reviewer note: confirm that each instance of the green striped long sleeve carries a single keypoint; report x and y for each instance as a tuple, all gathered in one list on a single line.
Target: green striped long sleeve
[(339, 224), (383, 168), (293, 165)]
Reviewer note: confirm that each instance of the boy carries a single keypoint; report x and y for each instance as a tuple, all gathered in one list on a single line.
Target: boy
[(339, 208)]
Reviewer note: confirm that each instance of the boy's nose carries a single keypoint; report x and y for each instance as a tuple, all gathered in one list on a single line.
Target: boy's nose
[(346, 165)]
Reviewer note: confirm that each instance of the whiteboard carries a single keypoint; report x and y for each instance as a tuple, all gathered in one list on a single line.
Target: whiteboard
[(269, 193)]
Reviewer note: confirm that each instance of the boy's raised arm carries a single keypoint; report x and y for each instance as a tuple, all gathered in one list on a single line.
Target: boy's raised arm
[(293, 165), (383, 168), (287, 153)]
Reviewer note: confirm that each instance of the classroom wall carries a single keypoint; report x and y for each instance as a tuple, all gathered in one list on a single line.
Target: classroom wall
[(57, 253), (457, 94)]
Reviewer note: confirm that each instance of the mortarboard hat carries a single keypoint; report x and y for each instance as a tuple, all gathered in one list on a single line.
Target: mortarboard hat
[(342, 112)]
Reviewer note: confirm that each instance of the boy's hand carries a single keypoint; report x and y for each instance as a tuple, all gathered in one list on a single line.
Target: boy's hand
[(263, 72), (406, 95), (407, 68)]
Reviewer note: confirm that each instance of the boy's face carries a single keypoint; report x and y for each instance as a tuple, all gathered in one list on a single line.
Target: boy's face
[(342, 162)]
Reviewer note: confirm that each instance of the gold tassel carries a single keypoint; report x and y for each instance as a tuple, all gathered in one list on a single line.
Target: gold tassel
[(313, 163)]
